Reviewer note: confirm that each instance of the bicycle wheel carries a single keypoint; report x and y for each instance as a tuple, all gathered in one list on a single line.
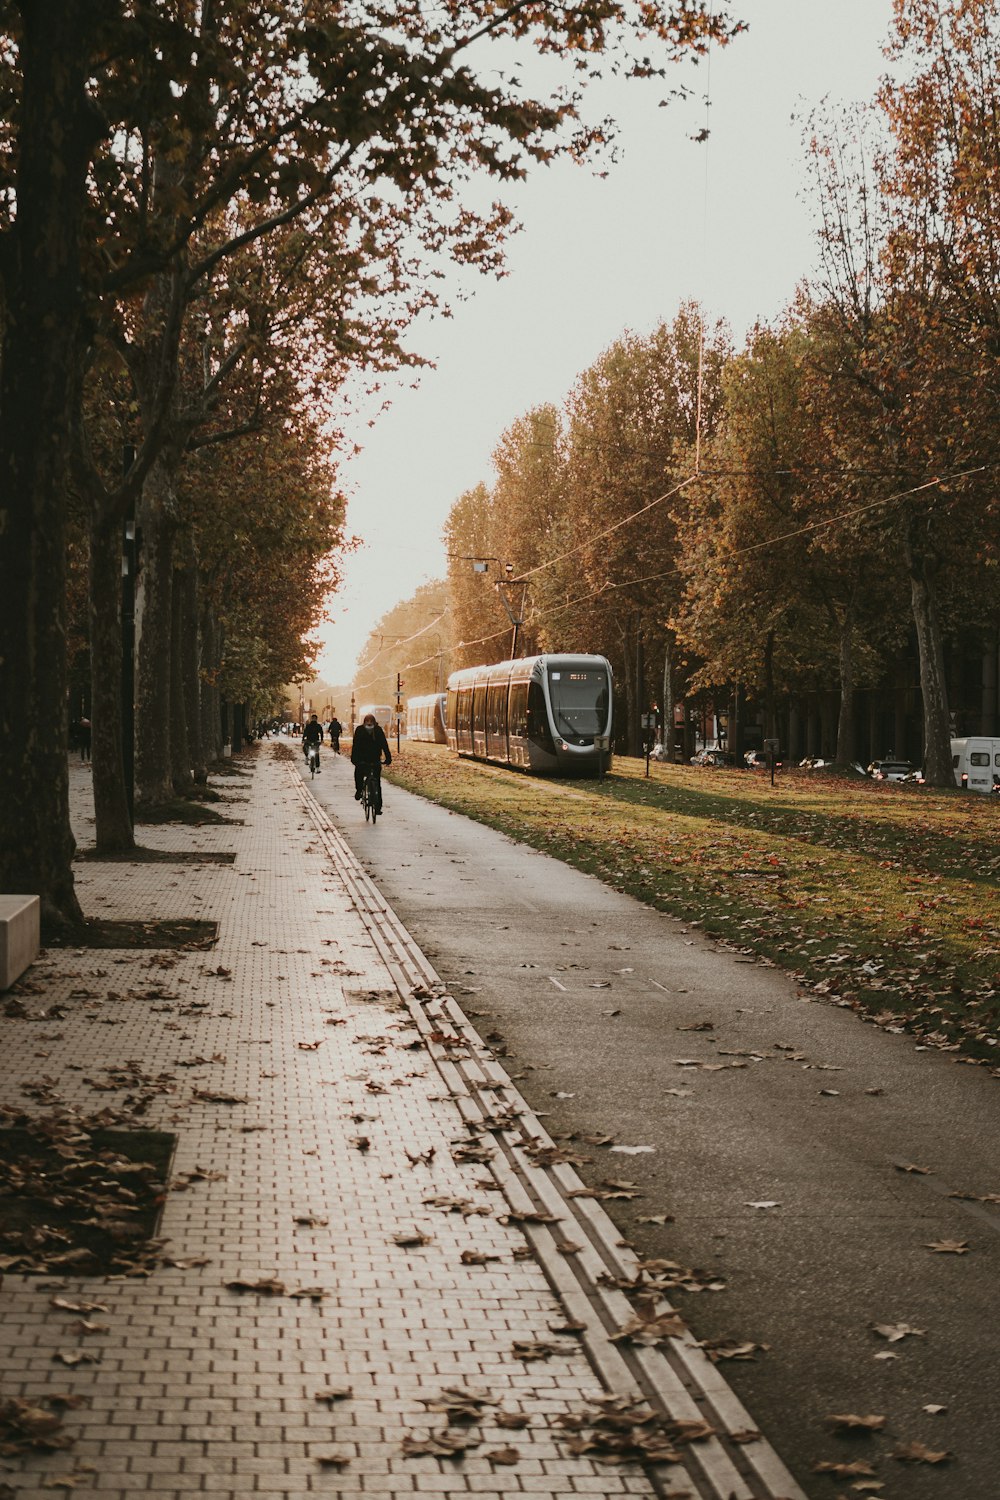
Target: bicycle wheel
[(366, 798)]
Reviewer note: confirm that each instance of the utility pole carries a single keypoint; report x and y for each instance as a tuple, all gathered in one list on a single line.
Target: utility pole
[(399, 707), (515, 611)]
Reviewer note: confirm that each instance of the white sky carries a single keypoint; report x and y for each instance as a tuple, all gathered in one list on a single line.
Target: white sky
[(724, 223)]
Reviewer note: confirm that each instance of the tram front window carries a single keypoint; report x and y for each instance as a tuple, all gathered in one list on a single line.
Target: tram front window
[(579, 702)]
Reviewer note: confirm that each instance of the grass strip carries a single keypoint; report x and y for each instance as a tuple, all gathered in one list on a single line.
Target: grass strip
[(883, 898)]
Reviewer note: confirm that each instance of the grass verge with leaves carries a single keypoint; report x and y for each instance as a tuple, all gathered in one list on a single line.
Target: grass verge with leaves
[(884, 898)]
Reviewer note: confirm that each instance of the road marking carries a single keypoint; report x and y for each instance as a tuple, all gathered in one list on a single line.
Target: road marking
[(556, 983)]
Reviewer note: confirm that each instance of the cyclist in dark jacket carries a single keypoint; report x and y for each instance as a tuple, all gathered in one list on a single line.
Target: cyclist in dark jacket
[(367, 749), (312, 735)]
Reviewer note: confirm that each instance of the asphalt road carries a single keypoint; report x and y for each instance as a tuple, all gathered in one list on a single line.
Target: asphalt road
[(778, 1124)]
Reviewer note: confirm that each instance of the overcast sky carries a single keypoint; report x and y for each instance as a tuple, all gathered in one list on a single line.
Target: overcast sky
[(724, 222)]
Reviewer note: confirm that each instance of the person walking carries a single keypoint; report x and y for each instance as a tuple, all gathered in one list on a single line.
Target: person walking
[(367, 750), (85, 733)]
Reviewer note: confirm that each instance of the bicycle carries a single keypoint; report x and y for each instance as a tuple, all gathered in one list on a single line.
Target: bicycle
[(371, 793), (312, 757)]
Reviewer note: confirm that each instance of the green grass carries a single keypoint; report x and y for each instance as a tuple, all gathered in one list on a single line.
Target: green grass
[(884, 898)]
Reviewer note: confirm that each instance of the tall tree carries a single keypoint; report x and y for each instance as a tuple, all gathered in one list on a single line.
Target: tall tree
[(290, 110)]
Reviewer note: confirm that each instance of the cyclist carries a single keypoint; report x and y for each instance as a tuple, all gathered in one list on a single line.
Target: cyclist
[(367, 749), (335, 729), (312, 735)]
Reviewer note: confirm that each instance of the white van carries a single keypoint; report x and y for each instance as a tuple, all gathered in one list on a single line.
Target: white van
[(975, 761)]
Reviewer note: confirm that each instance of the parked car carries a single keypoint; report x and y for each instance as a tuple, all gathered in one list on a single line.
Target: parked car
[(890, 770), (714, 758)]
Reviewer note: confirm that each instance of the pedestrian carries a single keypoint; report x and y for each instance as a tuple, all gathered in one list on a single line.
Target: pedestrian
[(85, 733), (335, 729)]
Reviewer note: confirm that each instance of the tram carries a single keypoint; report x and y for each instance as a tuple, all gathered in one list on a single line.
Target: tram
[(425, 718), (540, 713), (380, 712)]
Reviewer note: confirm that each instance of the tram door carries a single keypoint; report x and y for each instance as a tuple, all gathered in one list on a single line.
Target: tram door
[(496, 721), (479, 719)]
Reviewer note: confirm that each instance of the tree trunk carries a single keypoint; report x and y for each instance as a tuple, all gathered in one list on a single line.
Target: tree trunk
[(770, 716), (211, 723), (152, 760), (180, 755), (933, 685), (845, 751), (191, 651), (631, 697), (111, 810), (43, 333), (668, 698)]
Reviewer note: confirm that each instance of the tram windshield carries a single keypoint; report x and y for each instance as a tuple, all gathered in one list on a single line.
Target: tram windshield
[(579, 698)]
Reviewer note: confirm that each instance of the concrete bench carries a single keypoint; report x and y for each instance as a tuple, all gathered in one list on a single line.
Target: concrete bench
[(19, 936)]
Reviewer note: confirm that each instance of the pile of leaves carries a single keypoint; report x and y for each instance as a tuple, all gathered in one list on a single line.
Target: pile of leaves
[(620, 1430), (882, 898), (27, 1427), (79, 1198)]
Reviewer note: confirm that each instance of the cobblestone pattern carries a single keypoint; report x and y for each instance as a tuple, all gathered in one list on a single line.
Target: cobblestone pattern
[(199, 1389)]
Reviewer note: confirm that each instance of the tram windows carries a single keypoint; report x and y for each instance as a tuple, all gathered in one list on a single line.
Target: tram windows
[(496, 718), (518, 710), (479, 708), (579, 703)]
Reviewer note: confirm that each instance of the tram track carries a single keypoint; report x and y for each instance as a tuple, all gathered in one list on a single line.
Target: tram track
[(675, 1377)]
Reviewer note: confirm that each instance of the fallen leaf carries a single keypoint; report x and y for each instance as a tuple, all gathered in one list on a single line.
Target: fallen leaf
[(477, 1257), (512, 1419), (411, 1237), (934, 1410), (438, 1445), (460, 1403), (74, 1357), (65, 1305), (335, 1459), (896, 1331), (949, 1247), (502, 1455), (843, 1471), (850, 1422), (537, 1349), (764, 1203), (268, 1286), (633, 1150), (902, 1166), (717, 1349), (919, 1453), (334, 1393)]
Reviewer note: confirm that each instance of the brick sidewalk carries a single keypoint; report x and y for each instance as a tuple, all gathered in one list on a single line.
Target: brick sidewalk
[(200, 1389)]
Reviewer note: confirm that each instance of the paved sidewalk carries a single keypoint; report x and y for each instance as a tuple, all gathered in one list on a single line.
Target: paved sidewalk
[(350, 1120)]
